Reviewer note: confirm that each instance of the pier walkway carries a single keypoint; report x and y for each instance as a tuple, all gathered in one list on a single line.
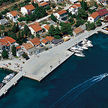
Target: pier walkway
[(12, 82)]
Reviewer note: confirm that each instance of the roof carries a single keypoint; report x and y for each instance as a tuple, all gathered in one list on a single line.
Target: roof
[(43, 4), (62, 12), (102, 12), (3, 21), (44, 41), (7, 41), (47, 27), (35, 41), (14, 13), (94, 15), (36, 27), (78, 30), (18, 47), (56, 41), (29, 7), (27, 46), (49, 38)]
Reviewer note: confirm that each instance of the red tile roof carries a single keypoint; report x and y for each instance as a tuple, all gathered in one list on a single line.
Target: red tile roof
[(44, 41), (102, 12), (35, 41), (18, 47), (94, 15), (47, 27), (36, 27), (62, 12), (14, 13), (27, 46), (78, 30), (49, 38), (43, 4), (29, 7)]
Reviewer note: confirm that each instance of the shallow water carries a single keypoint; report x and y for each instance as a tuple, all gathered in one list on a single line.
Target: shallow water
[(32, 94)]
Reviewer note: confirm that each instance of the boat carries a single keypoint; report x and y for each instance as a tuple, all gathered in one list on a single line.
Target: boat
[(80, 54), (8, 78), (75, 50), (1, 85), (89, 44), (85, 47), (84, 41)]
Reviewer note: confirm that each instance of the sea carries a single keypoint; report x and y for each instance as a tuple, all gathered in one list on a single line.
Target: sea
[(77, 83)]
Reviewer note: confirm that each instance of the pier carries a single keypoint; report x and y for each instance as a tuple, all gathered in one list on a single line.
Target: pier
[(12, 82)]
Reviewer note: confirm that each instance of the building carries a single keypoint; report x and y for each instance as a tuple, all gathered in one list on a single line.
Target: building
[(74, 8), (61, 15), (35, 41), (46, 27), (39, 1), (6, 43), (73, 1), (13, 15), (35, 29), (28, 48), (19, 51), (102, 12), (3, 21), (77, 31), (45, 42), (27, 9), (93, 17), (43, 4), (49, 38)]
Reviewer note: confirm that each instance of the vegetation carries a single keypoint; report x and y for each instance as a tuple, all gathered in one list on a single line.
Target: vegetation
[(53, 18), (98, 23), (13, 50), (90, 26), (84, 5), (5, 1), (5, 54)]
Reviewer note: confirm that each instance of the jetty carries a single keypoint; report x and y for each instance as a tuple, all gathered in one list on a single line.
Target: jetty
[(12, 82)]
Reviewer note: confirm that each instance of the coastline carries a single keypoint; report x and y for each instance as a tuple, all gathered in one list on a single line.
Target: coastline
[(38, 68)]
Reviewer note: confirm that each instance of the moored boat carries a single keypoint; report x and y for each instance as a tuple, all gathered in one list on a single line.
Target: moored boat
[(80, 54)]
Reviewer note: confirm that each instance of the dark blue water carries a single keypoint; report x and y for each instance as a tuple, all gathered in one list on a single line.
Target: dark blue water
[(32, 94)]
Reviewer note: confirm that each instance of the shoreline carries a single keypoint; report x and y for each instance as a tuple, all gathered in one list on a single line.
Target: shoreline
[(37, 68)]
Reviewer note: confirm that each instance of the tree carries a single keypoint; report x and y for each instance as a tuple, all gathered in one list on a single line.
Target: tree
[(1, 16), (53, 18), (51, 30), (66, 28), (15, 28), (98, 23), (79, 22), (84, 5), (5, 54), (71, 20), (27, 30), (90, 26), (13, 50)]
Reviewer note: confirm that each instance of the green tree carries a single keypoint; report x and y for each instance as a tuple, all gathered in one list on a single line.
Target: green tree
[(27, 30), (53, 18), (98, 23), (15, 28), (51, 30), (84, 5), (5, 54), (90, 26), (13, 50), (71, 20)]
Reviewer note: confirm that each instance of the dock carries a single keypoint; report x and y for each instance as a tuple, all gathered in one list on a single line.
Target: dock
[(12, 82)]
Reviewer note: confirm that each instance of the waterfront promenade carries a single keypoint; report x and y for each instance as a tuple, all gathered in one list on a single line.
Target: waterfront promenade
[(39, 66)]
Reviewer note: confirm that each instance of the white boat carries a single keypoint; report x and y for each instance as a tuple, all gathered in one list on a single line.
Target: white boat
[(89, 44), (76, 50), (84, 41), (84, 47), (8, 78), (80, 54)]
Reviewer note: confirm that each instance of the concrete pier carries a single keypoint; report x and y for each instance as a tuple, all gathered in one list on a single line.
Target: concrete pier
[(12, 82)]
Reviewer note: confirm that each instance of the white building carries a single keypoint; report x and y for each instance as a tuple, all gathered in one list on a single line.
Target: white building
[(93, 17), (27, 9), (13, 15), (35, 29), (74, 8), (73, 1)]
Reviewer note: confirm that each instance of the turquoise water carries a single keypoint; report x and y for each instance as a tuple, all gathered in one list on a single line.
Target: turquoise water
[(32, 94)]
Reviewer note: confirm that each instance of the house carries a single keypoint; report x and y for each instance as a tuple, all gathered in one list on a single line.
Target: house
[(43, 4), (39, 1), (61, 15), (6, 43), (73, 1), (102, 12), (44, 42), (35, 29), (77, 31), (13, 15), (46, 27), (74, 8), (3, 21), (27, 9), (35, 41), (28, 48), (49, 38), (57, 41), (19, 51), (93, 17)]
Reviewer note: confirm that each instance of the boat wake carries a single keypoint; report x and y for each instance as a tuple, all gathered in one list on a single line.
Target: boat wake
[(72, 94)]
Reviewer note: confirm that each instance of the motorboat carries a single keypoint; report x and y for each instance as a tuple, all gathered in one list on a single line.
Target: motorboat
[(76, 51), (85, 47), (80, 54), (89, 44), (1, 85), (8, 78)]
